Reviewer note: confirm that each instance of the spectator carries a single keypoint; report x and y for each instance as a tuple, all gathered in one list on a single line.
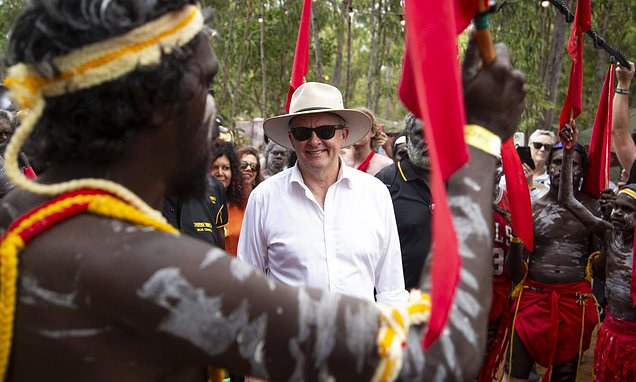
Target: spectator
[(225, 167), (361, 154), (541, 142), (276, 157)]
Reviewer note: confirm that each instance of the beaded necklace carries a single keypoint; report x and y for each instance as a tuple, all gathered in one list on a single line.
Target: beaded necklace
[(40, 219)]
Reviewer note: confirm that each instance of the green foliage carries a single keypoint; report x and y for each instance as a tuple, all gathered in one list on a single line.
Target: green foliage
[(523, 25)]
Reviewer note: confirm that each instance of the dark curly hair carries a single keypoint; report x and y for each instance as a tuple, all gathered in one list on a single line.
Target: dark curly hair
[(233, 192), (252, 151), (96, 124)]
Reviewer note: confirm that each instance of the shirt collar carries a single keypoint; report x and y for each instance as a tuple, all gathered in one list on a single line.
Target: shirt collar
[(345, 175)]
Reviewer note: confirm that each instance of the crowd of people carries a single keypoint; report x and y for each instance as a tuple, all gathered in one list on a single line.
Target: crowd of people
[(138, 245)]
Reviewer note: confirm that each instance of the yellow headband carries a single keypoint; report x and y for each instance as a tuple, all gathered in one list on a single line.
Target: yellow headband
[(90, 66), (629, 193)]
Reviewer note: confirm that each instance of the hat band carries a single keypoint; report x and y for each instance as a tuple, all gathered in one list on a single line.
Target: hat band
[(312, 108)]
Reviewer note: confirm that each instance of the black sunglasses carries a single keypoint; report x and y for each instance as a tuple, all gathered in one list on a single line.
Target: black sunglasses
[(244, 165), (323, 132), (539, 145)]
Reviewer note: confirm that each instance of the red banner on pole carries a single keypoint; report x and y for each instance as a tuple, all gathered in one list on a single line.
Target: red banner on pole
[(598, 165), (301, 55), (574, 99), (431, 88), (518, 195)]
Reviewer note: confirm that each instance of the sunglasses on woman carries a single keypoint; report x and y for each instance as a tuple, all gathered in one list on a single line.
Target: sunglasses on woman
[(245, 165), (323, 132), (539, 145)]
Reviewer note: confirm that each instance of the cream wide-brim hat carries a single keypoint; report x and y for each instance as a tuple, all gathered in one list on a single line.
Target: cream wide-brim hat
[(314, 98)]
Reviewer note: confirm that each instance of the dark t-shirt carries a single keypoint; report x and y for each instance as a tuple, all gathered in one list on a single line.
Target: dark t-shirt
[(632, 174), (412, 205), (199, 217)]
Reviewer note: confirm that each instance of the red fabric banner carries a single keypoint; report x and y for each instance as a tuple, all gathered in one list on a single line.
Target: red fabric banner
[(574, 99), (301, 55), (597, 173), (465, 11), (431, 88), (518, 195)]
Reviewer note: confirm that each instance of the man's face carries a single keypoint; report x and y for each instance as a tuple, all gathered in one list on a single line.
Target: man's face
[(316, 154), (277, 158), (555, 169), (538, 149), (196, 126), (416, 146), (622, 216)]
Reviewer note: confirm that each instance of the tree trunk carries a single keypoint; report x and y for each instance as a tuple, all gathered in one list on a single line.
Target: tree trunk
[(314, 29), (371, 79), (340, 8), (348, 69), (553, 65), (263, 102)]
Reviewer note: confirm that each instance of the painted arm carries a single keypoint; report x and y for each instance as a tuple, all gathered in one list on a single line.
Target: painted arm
[(494, 98), (515, 262), (566, 188), (621, 134)]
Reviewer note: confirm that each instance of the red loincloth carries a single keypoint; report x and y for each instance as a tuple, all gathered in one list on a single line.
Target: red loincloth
[(615, 352), (549, 320), (499, 310)]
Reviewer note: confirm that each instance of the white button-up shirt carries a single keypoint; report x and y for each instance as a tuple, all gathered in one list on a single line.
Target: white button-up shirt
[(349, 247)]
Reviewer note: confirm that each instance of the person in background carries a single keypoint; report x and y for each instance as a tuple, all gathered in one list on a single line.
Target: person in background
[(399, 148), (226, 168), (203, 214), (361, 154), (408, 183), (540, 142), (622, 138), (275, 159), (555, 309), (250, 177)]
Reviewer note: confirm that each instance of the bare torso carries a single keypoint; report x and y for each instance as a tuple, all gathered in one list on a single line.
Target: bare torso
[(562, 244), (618, 278), (102, 300)]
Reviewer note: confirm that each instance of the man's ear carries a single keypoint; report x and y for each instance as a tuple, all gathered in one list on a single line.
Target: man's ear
[(345, 133)]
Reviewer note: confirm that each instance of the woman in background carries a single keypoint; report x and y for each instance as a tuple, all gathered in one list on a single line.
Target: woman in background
[(225, 167)]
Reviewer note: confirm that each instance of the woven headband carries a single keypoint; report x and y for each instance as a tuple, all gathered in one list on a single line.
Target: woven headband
[(629, 193), (90, 66)]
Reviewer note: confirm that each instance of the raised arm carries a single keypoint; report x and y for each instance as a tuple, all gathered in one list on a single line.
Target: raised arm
[(494, 98), (566, 188), (621, 134)]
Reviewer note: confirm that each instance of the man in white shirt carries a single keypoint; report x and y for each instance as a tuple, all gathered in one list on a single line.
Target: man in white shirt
[(320, 223)]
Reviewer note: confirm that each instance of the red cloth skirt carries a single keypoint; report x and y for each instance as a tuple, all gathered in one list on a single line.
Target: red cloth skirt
[(499, 310), (615, 352), (549, 320)]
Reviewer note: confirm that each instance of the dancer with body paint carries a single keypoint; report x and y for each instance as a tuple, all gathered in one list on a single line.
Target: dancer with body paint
[(555, 312), (95, 286), (615, 351)]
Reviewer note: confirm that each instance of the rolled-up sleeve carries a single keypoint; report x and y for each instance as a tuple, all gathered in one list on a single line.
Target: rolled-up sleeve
[(252, 246)]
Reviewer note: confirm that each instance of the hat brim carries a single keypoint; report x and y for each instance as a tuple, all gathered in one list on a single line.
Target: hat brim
[(358, 123)]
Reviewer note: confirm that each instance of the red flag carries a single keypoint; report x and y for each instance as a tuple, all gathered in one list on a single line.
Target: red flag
[(518, 195), (574, 99), (597, 173), (465, 11), (301, 56), (430, 87)]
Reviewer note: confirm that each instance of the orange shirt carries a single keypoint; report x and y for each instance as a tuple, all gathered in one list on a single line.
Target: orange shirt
[(233, 228)]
